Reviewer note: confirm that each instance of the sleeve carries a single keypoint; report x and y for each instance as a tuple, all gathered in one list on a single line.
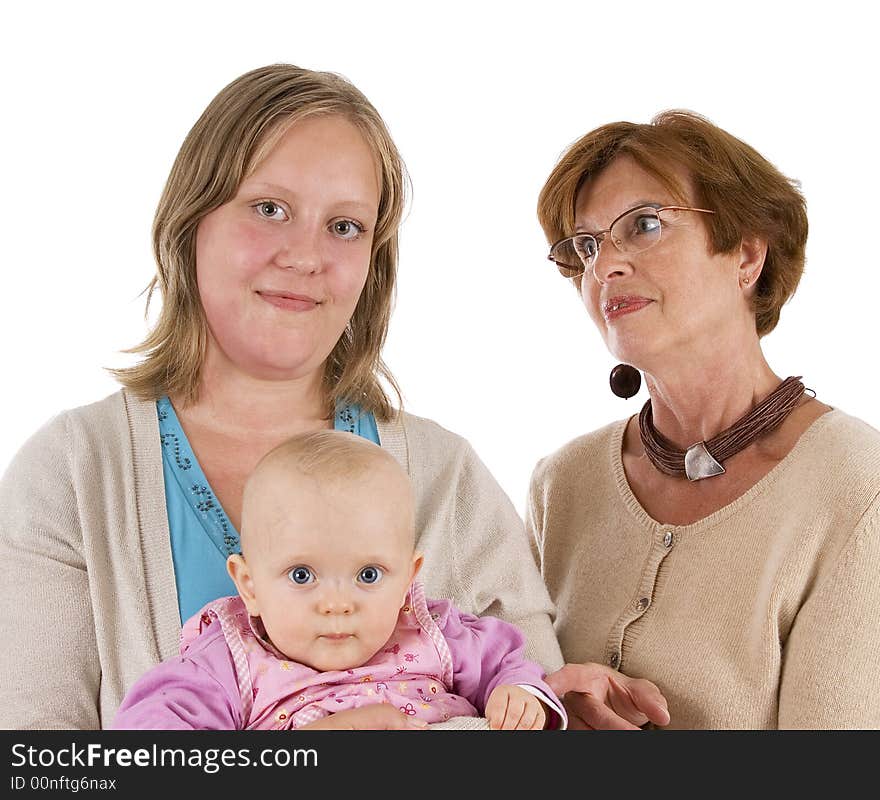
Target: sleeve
[(489, 652), (50, 674), (185, 693), (831, 660), (494, 564), (535, 517)]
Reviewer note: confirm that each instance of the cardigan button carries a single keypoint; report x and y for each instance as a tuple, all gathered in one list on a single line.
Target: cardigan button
[(614, 660), (642, 604), (667, 539)]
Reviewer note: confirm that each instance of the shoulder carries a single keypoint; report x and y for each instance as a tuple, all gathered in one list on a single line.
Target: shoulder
[(48, 453), (99, 423), (207, 620), (441, 610), (426, 449), (101, 435), (119, 413), (457, 625), (421, 433), (582, 457), (207, 649), (80, 449), (839, 448), (204, 644), (846, 436)]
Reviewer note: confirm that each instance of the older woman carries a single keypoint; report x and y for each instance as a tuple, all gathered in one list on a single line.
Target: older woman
[(276, 244), (725, 542)]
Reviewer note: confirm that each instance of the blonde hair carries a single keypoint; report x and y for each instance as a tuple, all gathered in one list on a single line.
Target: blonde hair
[(749, 196), (234, 133), (329, 455)]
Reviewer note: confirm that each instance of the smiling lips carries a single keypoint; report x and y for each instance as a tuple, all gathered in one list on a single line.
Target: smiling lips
[(288, 301), (618, 306)]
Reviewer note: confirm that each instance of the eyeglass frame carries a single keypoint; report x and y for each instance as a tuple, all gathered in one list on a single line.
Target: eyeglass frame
[(599, 236)]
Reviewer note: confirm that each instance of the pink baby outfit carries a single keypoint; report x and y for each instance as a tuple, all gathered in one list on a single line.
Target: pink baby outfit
[(412, 670), (439, 663)]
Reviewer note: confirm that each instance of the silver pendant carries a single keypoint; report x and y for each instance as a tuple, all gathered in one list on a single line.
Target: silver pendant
[(699, 463)]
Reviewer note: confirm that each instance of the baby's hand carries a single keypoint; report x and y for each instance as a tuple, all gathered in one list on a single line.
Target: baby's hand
[(512, 708)]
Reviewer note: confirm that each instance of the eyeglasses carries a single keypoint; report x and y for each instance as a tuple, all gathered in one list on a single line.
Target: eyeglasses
[(632, 232)]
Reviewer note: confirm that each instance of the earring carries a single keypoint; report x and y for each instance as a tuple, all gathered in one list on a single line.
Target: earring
[(745, 281), (625, 380)]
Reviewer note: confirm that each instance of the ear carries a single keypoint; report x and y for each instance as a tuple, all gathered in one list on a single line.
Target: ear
[(238, 570), (418, 558), (752, 255), (416, 566)]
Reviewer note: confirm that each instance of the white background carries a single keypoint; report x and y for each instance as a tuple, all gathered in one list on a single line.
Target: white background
[(481, 98)]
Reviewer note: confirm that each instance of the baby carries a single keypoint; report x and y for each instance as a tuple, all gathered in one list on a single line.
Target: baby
[(329, 628)]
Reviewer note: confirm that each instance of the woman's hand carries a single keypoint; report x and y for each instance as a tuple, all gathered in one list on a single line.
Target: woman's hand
[(377, 717), (600, 698)]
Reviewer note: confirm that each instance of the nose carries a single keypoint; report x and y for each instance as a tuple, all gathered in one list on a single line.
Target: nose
[(610, 263), (335, 600), (299, 249)]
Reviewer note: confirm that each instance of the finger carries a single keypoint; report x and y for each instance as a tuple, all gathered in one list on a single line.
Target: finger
[(532, 718), (622, 702), (575, 721), (595, 714), (495, 708), (501, 712), (646, 697), (527, 721), (651, 700), (541, 713), (515, 709)]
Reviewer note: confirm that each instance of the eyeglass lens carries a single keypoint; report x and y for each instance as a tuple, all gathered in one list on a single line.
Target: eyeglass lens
[(631, 233)]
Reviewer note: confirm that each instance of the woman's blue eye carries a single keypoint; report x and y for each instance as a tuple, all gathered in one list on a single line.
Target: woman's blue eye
[(647, 224), (586, 247), (300, 575), (370, 575), (271, 210), (347, 229)]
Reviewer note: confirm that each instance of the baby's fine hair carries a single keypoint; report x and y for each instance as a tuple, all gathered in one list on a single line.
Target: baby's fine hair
[(328, 455), (326, 458)]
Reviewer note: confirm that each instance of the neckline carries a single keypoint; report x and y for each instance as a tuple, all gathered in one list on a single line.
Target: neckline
[(637, 510), (195, 490)]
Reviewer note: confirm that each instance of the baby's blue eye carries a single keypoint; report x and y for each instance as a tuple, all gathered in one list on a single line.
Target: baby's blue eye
[(300, 575), (370, 575)]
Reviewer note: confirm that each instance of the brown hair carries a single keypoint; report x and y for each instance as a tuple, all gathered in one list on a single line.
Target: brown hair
[(750, 197), (237, 129)]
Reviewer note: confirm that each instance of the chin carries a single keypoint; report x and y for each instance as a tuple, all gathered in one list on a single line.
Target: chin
[(296, 363), (631, 349)]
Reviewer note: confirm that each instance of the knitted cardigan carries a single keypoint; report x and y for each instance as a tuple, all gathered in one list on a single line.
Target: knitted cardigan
[(87, 580)]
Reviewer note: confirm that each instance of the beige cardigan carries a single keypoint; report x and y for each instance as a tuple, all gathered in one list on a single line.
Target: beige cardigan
[(761, 615), (86, 576)]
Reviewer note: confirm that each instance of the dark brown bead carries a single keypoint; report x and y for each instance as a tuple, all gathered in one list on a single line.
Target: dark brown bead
[(625, 380)]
